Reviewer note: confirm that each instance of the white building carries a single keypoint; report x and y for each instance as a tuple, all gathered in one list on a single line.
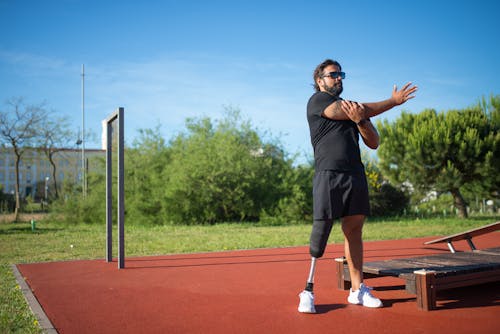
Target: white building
[(35, 169)]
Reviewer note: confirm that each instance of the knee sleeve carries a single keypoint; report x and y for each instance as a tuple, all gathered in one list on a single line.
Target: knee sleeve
[(319, 237)]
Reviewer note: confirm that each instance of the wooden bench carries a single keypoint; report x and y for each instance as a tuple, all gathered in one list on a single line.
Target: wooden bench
[(426, 275), (467, 235)]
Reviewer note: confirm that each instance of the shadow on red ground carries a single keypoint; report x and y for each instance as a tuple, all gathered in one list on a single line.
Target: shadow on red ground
[(250, 291)]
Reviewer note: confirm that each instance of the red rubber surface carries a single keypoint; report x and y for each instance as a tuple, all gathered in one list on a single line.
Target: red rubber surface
[(251, 291)]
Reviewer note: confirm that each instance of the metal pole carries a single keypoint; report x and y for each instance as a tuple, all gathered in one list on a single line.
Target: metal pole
[(84, 188), (109, 193), (121, 197), (117, 115)]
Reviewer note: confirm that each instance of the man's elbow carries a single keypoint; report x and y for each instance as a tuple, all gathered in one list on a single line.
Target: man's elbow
[(373, 144)]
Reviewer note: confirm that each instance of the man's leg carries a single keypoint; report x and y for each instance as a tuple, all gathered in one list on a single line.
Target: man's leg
[(352, 226), (317, 244), (360, 294), (319, 237)]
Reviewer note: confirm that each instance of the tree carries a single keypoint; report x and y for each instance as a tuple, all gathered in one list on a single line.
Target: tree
[(385, 199), (145, 162), (490, 186), (18, 129), (444, 152), (214, 171), (53, 136), (222, 171), (295, 205)]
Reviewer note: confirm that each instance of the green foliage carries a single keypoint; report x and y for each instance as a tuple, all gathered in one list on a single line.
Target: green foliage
[(15, 315), (7, 201), (388, 201), (72, 207), (441, 205), (445, 152), (222, 171), (385, 199), (145, 163), (216, 171), (296, 205), (374, 177)]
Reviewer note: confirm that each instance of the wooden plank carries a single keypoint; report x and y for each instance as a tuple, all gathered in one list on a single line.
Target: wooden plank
[(343, 280), (491, 251), (391, 267), (410, 284), (425, 275), (467, 234), (425, 289), (452, 269), (458, 281), (441, 263), (459, 262)]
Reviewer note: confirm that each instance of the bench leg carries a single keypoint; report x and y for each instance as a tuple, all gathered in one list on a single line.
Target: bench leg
[(471, 244), (425, 289), (343, 282), (450, 246)]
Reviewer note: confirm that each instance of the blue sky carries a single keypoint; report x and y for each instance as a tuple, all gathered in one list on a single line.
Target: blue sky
[(164, 61)]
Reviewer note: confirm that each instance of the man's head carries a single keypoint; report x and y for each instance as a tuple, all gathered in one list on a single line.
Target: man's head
[(328, 77)]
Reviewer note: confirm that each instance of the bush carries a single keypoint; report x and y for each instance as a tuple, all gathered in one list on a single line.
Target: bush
[(72, 207), (388, 201), (7, 202), (220, 172)]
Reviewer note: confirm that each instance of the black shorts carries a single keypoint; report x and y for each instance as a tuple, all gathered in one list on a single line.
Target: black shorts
[(339, 194)]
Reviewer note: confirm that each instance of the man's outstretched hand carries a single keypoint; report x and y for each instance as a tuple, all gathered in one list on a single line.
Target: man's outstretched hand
[(406, 93)]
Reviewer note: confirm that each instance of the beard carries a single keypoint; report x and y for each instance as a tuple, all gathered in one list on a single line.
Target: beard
[(335, 89)]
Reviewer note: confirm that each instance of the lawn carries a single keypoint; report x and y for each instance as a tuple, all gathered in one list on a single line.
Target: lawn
[(51, 241)]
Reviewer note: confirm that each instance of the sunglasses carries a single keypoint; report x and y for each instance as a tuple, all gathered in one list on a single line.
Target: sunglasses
[(335, 75)]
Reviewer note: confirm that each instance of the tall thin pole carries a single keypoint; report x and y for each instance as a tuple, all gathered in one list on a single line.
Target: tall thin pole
[(84, 181), (109, 192), (121, 192)]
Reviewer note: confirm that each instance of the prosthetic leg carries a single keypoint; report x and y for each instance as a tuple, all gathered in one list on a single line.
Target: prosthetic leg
[(319, 237), (306, 304), (310, 279)]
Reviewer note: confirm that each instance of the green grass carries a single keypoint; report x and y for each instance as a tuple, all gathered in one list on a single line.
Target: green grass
[(52, 242), (15, 315)]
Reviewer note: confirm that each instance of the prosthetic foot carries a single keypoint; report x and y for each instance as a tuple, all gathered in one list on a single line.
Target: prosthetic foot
[(306, 304)]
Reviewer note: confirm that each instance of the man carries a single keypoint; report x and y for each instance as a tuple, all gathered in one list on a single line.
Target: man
[(340, 188)]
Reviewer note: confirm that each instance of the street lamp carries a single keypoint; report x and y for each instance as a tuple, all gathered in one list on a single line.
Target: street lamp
[(46, 187)]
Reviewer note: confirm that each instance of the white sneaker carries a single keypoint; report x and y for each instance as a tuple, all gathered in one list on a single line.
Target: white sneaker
[(364, 297), (306, 304)]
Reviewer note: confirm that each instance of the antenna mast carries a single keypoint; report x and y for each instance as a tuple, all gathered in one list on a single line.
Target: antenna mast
[(84, 178)]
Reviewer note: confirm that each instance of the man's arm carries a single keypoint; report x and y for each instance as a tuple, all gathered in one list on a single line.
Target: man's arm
[(334, 111), (356, 112), (369, 134), (397, 98)]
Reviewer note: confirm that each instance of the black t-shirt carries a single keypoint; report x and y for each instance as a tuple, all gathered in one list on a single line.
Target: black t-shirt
[(335, 143)]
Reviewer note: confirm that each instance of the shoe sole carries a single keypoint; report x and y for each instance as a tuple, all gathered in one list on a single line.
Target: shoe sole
[(306, 311), (356, 301), (379, 306)]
